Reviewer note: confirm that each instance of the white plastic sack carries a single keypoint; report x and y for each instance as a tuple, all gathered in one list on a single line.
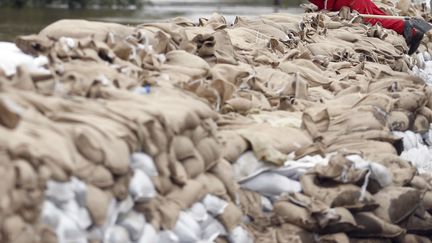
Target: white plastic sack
[(271, 184), (134, 223), (410, 139), (60, 192), (69, 231), (168, 236), (420, 157), (50, 214), (214, 205), (125, 206), (149, 235), (79, 214), (187, 229), (239, 235), (247, 165), (141, 187), (378, 172), (198, 212), (267, 205), (11, 57), (212, 229), (117, 234), (294, 170), (79, 188), (143, 162)]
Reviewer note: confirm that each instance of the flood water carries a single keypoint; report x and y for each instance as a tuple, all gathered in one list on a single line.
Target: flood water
[(14, 22)]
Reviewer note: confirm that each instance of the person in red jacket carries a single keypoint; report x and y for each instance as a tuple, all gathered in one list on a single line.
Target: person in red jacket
[(412, 35)]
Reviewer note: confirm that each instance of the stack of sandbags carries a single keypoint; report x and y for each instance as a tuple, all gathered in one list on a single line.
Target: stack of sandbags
[(83, 148), (343, 198), (127, 155)]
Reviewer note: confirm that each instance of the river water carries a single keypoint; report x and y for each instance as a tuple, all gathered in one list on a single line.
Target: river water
[(14, 22)]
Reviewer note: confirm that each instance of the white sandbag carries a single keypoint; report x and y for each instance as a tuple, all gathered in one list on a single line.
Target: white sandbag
[(212, 228), (239, 235), (294, 170), (50, 214), (187, 229), (271, 184), (95, 234), (117, 234), (420, 60), (427, 57), (69, 231), (112, 215), (167, 236), (143, 162), (267, 205), (134, 223), (427, 137), (410, 139), (214, 205), (79, 188), (378, 172), (141, 188), (79, 214), (420, 157), (198, 212), (125, 206), (11, 57), (149, 235), (59, 192), (247, 165)]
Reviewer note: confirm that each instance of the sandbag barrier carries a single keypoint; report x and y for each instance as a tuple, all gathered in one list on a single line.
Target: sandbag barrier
[(279, 128)]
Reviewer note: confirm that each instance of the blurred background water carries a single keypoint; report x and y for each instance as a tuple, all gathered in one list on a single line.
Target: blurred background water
[(31, 18)]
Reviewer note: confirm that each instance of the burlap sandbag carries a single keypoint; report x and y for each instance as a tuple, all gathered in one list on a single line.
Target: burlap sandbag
[(294, 214), (421, 124), (233, 145), (369, 240), (16, 230), (231, 216), (341, 170), (251, 203), (313, 215), (212, 185), (370, 225), (182, 147), (398, 121), (337, 195), (416, 239), (210, 151), (288, 233), (334, 238), (9, 117), (420, 222), (187, 195), (83, 28), (397, 203), (97, 202), (194, 165), (224, 171), (402, 171)]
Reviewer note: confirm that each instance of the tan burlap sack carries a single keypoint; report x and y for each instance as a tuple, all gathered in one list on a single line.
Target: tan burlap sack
[(397, 203), (83, 28), (337, 195), (370, 225)]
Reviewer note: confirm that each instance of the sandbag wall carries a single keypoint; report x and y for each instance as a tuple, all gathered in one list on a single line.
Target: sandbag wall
[(119, 168), (124, 136)]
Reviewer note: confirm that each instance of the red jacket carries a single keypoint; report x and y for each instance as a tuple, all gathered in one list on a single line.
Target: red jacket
[(324, 4)]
